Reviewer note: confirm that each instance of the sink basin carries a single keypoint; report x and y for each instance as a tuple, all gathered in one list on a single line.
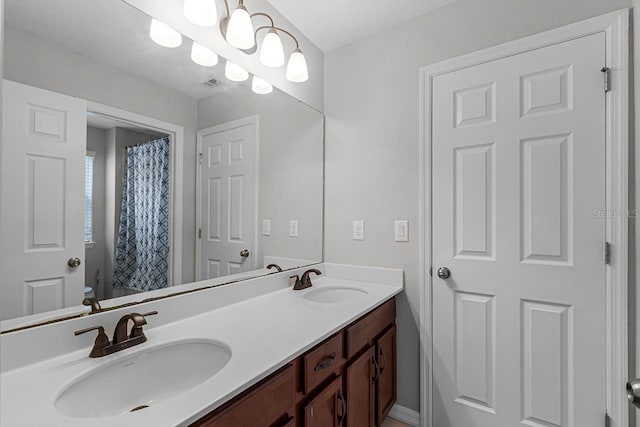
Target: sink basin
[(335, 294), (145, 378)]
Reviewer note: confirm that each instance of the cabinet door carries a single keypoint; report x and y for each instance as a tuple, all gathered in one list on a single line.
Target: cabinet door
[(263, 406), (328, 408), (361, 391), (386, 358)]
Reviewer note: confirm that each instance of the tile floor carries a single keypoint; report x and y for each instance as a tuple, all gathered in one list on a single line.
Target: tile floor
[(390, 422)]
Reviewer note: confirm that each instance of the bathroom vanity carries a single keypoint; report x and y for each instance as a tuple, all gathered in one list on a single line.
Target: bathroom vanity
[(348, 379), (253, 353)]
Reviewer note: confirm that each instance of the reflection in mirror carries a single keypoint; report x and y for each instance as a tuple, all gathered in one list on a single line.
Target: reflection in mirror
[(131, 170)]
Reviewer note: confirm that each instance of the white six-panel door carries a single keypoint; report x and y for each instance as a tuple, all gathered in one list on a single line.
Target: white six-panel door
[(227, 198), (42, 220), (518, 170)]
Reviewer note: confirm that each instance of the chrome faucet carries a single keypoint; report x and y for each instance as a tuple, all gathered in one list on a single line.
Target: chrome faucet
[(121, 339), (304, 282)]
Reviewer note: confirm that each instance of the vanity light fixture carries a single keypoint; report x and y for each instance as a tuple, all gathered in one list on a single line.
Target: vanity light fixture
[(260, 86), (237, 29), (201, 12), (240, 28), (202, 55), (234, 72), (297, 67), (164, 35), (272, 52)]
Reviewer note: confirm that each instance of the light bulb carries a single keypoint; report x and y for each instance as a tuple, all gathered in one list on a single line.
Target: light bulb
[(201, 12), (203, 56), (235, 72), (164, 35), (271, 52), (260, 86), (240, 29), (297, 67)]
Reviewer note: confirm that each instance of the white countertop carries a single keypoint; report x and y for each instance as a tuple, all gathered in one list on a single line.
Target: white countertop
[(263, 333)]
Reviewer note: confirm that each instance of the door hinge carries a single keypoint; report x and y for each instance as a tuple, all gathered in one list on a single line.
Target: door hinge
[(607, 253), (199, 233), (200, 158), (606, 72), (607, 420)]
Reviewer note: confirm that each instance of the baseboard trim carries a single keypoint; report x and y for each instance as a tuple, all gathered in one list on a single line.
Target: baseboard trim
[(406, 415)]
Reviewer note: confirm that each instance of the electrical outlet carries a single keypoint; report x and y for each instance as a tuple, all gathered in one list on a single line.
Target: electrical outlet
[(358, 229), (293, 228), (402, 231), (266, 227)]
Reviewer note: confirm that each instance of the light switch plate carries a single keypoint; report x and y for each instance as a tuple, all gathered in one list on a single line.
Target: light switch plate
[(358, 229), (266, 227), (402, 231), (293, 228)]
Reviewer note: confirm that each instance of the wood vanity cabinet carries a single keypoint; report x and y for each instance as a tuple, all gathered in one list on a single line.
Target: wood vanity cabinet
[(328, 408), (348, 380), (361, 390), (386, 381)]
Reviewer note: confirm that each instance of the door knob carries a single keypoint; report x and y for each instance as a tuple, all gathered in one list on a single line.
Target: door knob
[(444, 273), (244, 253), (633, 392), (74, 262)]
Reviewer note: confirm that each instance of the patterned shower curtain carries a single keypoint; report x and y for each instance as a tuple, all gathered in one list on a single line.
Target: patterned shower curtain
[(141, 260)]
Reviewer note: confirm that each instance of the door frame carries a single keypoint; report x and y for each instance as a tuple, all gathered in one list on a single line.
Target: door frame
[(615, 26), (176, 138), (254, 121)]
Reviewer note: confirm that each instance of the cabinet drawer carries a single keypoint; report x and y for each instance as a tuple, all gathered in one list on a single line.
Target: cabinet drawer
[(261, 407), (365, 330), (323, 361)]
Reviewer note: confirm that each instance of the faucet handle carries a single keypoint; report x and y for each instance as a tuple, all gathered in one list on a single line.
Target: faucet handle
[(101, 342), (93, 328), (295, 281), (138, 321)]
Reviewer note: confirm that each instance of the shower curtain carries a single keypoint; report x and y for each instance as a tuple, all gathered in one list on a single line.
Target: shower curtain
[(141, 259)]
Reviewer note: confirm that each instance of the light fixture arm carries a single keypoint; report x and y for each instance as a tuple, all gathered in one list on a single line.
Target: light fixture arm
[(265, 15), (273, 27), (226, 5)]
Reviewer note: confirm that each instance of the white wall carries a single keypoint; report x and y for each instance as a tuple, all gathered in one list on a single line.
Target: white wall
[(289, 166), (71, 74), (372, 146), (1, 77), (634, 225), (94, 256), (311, 92)]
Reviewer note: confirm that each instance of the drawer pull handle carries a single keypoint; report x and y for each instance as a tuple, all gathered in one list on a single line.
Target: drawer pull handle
[(343, 403), (326, 363), (384, 359)]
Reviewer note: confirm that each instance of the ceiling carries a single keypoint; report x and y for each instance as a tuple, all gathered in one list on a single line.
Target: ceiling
[(330, 24), (75, 25)]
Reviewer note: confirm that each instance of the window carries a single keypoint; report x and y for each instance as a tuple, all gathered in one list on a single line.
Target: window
[(88, 196)]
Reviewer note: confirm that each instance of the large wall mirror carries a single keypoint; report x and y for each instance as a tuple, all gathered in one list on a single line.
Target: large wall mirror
[(130, 171)]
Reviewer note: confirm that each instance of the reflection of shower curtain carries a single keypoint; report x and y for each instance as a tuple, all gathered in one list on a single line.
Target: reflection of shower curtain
[(142, 251)]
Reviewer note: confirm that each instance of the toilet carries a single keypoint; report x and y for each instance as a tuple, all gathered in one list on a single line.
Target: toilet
[(88, 292)]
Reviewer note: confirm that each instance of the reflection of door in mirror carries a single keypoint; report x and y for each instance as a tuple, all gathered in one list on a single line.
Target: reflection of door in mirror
[(83, 189), (42, 245), (227, 198)]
